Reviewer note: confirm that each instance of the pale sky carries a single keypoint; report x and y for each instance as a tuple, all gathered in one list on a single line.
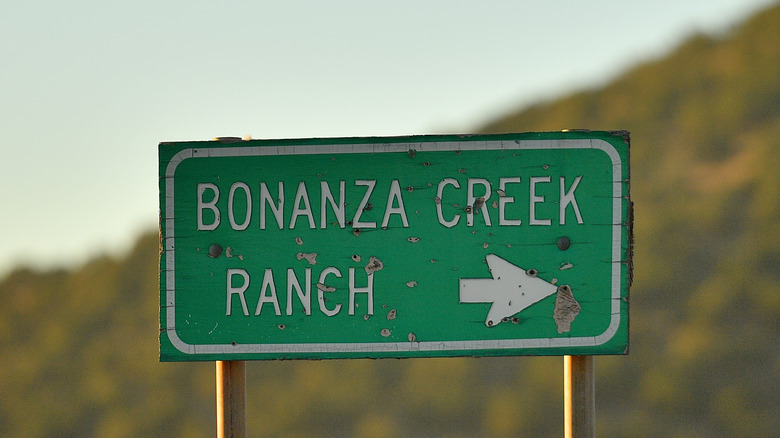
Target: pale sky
[(89, 88)]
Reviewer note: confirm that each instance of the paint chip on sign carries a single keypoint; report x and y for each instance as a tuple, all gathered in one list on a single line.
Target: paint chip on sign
[(325, 288), (310, 257), (566, 308), (374, 264)]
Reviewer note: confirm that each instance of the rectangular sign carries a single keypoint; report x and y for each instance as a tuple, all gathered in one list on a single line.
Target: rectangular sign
[(484, 245)]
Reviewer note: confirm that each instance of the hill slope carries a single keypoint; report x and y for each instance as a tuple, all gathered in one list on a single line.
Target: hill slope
[(81, 346)]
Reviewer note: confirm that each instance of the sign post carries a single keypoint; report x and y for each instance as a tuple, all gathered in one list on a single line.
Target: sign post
[(231, 399), (579, 397)]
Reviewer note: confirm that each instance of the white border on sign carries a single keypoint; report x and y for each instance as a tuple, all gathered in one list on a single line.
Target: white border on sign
[(381, 347)]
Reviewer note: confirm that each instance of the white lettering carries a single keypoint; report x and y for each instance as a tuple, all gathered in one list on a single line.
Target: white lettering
[(242, 226), (395, 194), (276, 209), (369, 290), (356, 223), (268, 283), (210, 205), (532, 220), (503, 200), (236, 290), (321, 293), (305, 298), (302, 196), (326, 197), (472, 201), (440, 201), (567, 197)]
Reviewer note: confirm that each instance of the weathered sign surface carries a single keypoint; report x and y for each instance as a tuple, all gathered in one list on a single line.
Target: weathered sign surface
[(516, 244)]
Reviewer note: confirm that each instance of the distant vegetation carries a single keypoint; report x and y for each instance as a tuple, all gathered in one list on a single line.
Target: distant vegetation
[(80, 347)]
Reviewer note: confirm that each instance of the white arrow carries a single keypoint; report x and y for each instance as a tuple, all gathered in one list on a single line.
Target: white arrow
[(511, 289)]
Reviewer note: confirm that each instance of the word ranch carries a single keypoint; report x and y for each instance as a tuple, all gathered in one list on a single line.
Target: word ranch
[(241, 290)]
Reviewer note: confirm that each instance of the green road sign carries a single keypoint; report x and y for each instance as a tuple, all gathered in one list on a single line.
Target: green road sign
[(516, 244)]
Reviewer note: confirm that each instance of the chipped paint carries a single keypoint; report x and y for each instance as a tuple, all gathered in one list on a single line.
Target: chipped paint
[(310, 257), (228, 252), (299, 241), (566, 309), (355, 258), (325, 288), (411, 284), (413, 239), (564, 266), (412, 337), (374, 265), (392, 314), (385, 332)]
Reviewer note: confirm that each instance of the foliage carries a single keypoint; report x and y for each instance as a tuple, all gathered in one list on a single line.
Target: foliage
[(81, 347)]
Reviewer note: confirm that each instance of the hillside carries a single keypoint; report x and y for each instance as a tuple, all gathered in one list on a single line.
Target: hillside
[(81, 346)]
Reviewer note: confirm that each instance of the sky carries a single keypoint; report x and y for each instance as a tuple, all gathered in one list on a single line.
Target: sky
[(89, 88)]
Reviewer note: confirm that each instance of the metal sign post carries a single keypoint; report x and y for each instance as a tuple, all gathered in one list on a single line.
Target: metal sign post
[(579, 397), (231, 399)]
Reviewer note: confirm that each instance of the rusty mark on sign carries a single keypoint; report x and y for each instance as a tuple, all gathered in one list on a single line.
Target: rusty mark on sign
[(356, 232), (385, 332), (310, 257), (374, 264), (355, 258), (566, 308), (412, 337)]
